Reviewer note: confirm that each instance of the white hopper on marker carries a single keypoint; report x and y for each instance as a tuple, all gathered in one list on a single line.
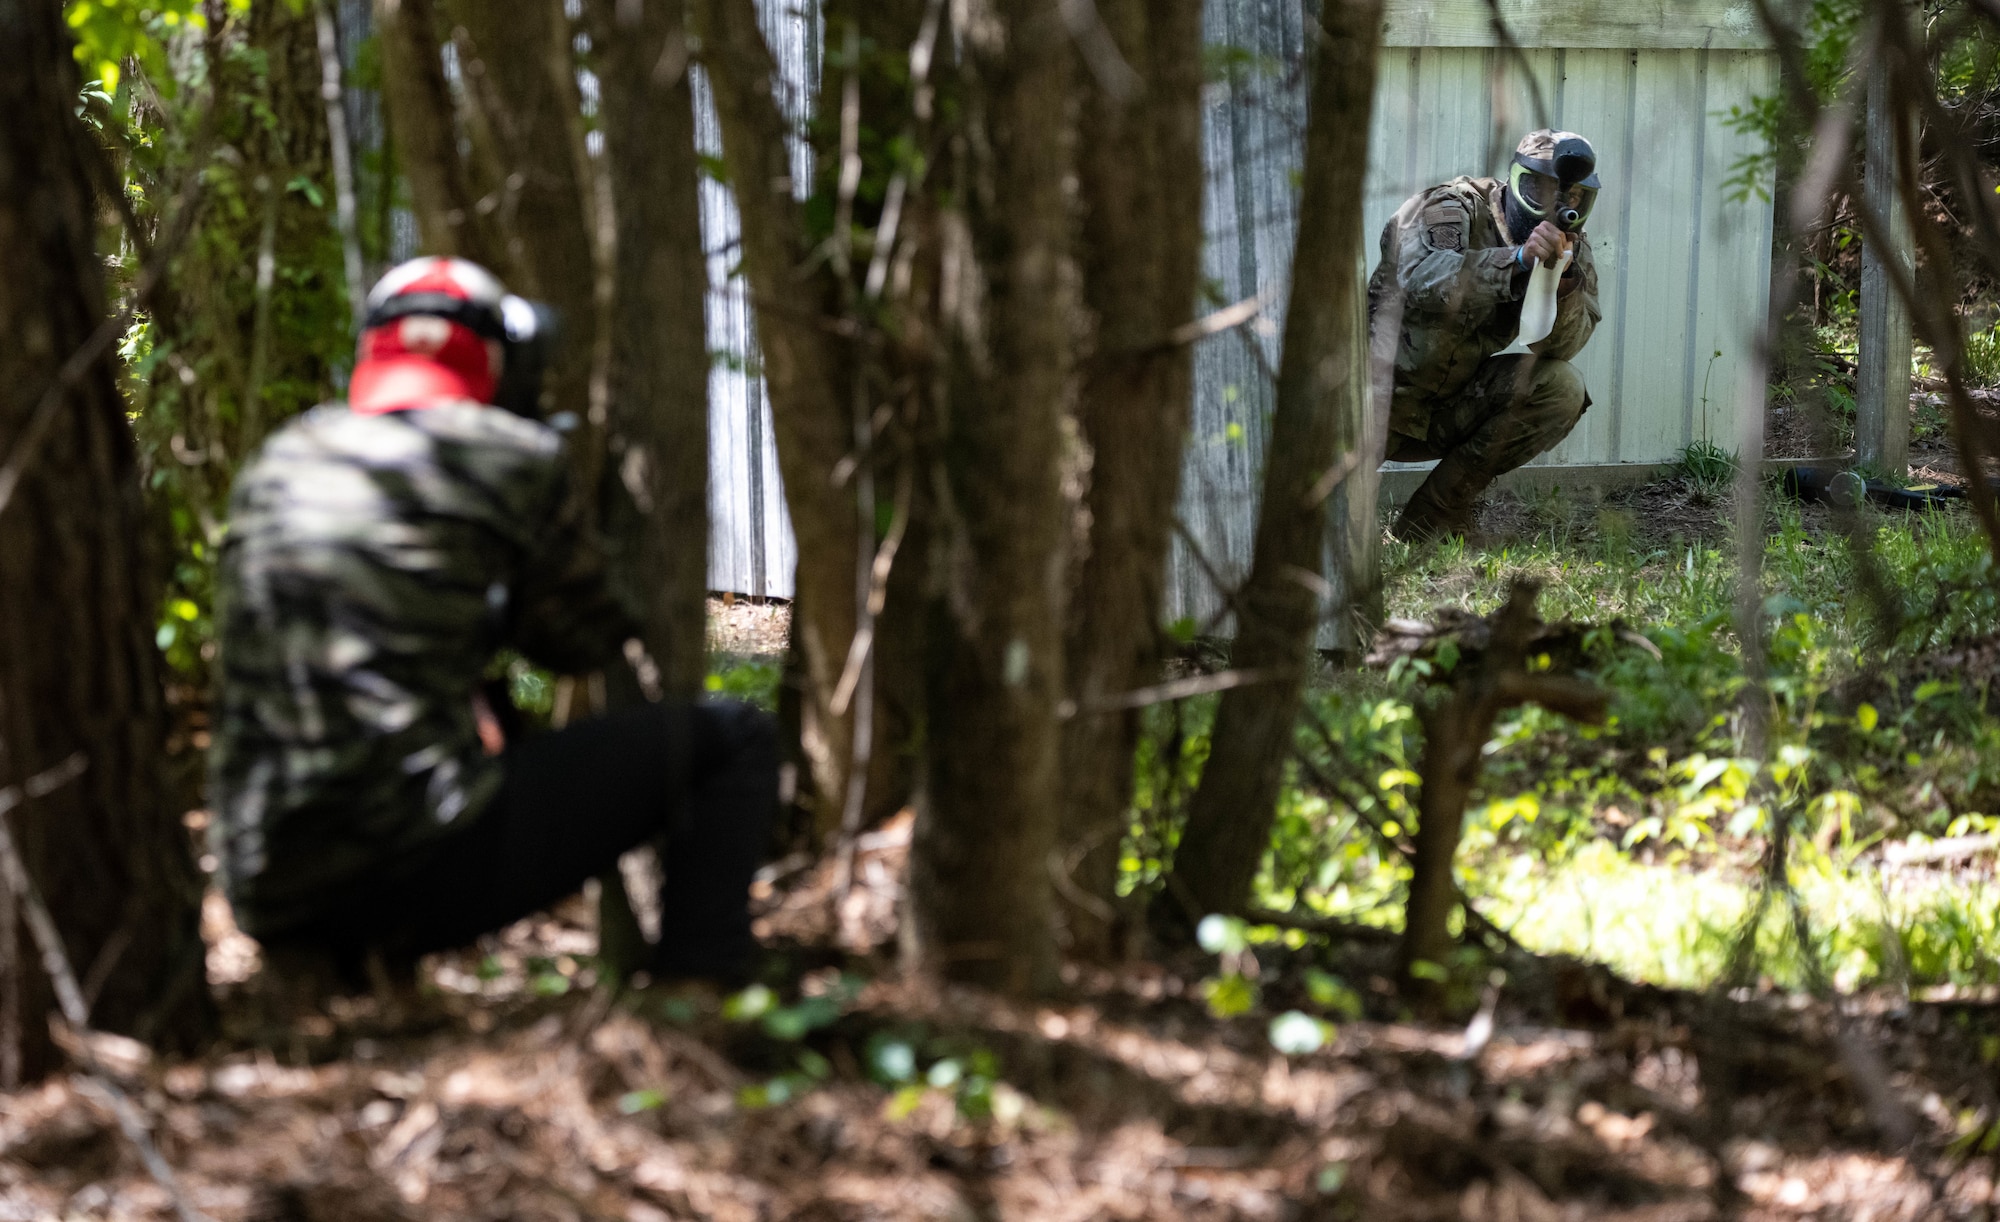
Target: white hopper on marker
[(1538, 306)]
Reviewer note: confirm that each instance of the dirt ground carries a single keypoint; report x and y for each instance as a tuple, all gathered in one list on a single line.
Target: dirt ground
[(742, 627), (516, 1086)]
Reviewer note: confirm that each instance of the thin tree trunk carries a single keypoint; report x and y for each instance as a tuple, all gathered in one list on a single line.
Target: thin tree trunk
[(1142, 192), (78, 668), (807, 374), (521, 96), (980, 871), (1321, 401), (453, 217), (659, 340)]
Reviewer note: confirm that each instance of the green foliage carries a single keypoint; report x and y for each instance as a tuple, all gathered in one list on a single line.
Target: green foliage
[(1707, 464), (1635, 843), (752, 679), (255, 325), (111, 33), (1826, 31), (1982, 356)]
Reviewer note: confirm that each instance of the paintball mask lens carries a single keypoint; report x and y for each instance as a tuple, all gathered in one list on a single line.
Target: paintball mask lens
[(1547, 199), (526, 349)]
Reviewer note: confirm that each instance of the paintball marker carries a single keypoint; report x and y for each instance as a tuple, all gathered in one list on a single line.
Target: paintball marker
[(1846, 489)]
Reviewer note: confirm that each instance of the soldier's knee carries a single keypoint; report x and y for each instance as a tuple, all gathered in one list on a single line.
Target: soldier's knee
[(1559, 385)]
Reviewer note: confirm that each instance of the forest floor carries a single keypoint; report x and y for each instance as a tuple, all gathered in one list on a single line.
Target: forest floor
[(515, 1082), (514, 1085)]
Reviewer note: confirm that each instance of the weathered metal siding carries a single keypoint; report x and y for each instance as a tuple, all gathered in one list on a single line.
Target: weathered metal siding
[(1683, 266), (751, 549)]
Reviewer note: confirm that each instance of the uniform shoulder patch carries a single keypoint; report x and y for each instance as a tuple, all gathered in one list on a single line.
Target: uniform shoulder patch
[(1444, 225)]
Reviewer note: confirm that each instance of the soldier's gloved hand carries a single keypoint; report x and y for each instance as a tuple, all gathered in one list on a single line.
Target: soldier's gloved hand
[(1545, 243)]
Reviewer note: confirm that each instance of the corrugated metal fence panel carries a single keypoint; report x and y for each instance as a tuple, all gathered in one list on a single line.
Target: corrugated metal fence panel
[(751, 549), (1252, 126)]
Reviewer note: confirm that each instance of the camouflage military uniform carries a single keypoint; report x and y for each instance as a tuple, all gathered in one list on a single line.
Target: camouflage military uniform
[(1449, 281), (373, 565)]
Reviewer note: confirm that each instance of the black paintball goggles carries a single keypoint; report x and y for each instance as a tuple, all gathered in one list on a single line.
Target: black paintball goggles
[(1556, 179)]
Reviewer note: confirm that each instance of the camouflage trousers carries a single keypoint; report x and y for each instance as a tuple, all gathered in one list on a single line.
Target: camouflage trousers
[(1512, 409)]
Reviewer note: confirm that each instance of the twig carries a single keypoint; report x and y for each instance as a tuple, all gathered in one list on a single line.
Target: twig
[(343, 158), (1161, 693), (1475, 921), (1100, 51), (69, 995), (1224, 319)]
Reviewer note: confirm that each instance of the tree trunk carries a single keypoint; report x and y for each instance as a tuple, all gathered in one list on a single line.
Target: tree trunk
[(1142, 193), (78, 668), (1321, 401), (521, 104), (659, 340), (980, 880), (807, 374), (1485, 682), (454, 218)]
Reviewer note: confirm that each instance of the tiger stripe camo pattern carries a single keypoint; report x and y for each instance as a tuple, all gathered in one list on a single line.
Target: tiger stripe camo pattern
[(373, 566)]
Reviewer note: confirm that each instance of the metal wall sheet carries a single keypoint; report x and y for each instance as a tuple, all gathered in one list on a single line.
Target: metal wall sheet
[(751, 549), (1624, 25)]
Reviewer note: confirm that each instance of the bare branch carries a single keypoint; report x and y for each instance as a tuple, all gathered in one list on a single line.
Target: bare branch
[(69, 994)]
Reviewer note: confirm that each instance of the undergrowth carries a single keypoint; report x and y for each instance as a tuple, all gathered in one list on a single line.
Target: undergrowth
[(1638, 843)]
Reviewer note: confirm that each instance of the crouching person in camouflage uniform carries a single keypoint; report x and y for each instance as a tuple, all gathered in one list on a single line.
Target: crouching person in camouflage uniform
[(379, 553), (1455, 263)]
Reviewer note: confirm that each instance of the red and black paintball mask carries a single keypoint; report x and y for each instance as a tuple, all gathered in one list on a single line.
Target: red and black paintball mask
[(439, 330)]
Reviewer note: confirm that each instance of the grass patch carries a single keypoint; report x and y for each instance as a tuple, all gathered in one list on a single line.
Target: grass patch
[(1636, 843)]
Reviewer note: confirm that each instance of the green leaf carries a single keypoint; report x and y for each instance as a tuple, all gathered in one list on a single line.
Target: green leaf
[(903, 1102), (891, 1061), (632, 1103), (749, 1005), (1424, 969), (1866, 717), (1331, 992), (308, 188), (1229, 996), (796, 1022)]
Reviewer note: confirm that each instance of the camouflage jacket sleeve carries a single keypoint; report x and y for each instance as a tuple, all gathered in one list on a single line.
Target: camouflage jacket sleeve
[(568, 613), (1438, 271), (1576, 312)]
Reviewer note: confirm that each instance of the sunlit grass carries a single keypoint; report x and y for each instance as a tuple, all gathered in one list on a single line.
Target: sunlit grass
[(1637, 844), (1675, 926)]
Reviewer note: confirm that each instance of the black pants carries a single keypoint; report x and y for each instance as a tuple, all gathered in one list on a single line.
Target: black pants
[(705, 776)]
